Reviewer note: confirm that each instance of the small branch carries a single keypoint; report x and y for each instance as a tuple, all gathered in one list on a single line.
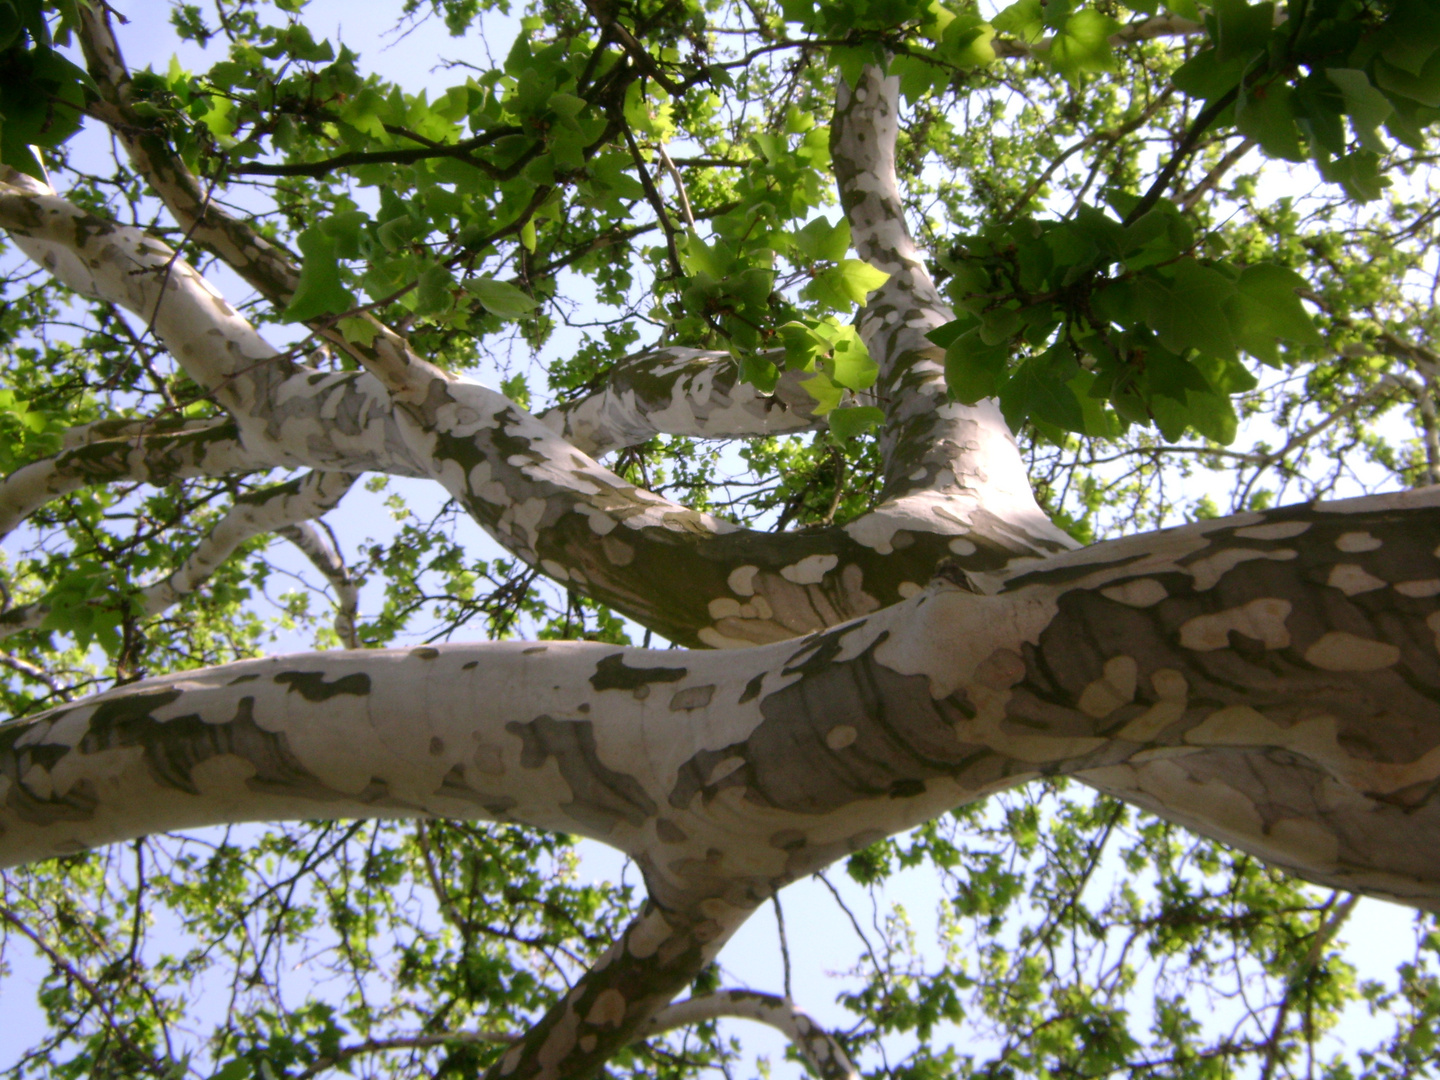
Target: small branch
[(324, 554), (1303, 970), (1197, 128), (637, 52), (820, 1050), (252, 515), (679, 185), (784, 944), (1215, 175)]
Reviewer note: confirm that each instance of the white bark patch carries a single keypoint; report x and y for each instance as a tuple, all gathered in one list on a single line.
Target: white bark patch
[(601, 523), (840, 736), (1170, 685), (961, 546), (947, 634), (810, 570), (742, 580), (1419, 589), (1280, 530), (907, 589), (1140, 593), (1339, 651), (716, 640), (1263, 620), (617, 551), (1353, 580), (1208, 572), (1353, 542)]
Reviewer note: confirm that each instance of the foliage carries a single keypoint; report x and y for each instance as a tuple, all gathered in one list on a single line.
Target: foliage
[(1197, 269)]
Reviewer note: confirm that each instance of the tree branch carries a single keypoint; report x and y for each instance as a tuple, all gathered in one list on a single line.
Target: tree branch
[(820, 1050), (253, 515), (678, 391), (320, 548), (168, 452), (932, 447)]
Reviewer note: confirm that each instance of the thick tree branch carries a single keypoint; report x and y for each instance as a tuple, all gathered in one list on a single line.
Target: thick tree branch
[(161, 455), (265, 266), (933, 448), (1266, 680), (678, 391)]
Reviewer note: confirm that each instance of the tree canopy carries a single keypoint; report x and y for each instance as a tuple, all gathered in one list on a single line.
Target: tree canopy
[(900, 327)]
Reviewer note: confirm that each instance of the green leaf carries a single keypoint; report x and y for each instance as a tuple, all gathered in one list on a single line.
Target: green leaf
[(1357, 173), (1265, 115), (320, 290), (500, 297), (846, 423), (1266, 309), (1243, 29), (1039, 387), (359, 329), (850, 364), (858, 279), (819, 239), (1189, 312), (1367, 107), (1083, 44), (974, 368), (823, 389)]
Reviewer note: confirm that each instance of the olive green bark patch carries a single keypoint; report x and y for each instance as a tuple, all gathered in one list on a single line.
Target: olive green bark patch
[(612, 674), (602, 797), (311, 685)]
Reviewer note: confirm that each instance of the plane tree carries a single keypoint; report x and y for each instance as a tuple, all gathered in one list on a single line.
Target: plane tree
[(885, 359)]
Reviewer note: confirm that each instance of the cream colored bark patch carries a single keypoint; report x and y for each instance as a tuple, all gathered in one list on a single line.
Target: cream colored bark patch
[(810, 570), (1339, 651), (1357, 541), (840, 736), (1353, 580), (1154, 720), (608, 1010), (742, 580), (1419, 589), (1116, 687), (1280, 530), (1139, 593), (1207, 572), (1263, 620)]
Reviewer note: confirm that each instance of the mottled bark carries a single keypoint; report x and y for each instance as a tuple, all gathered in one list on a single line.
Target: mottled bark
[(1287, 658), (680, 392), (169, 453), (933, 448), (821, 1050)]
